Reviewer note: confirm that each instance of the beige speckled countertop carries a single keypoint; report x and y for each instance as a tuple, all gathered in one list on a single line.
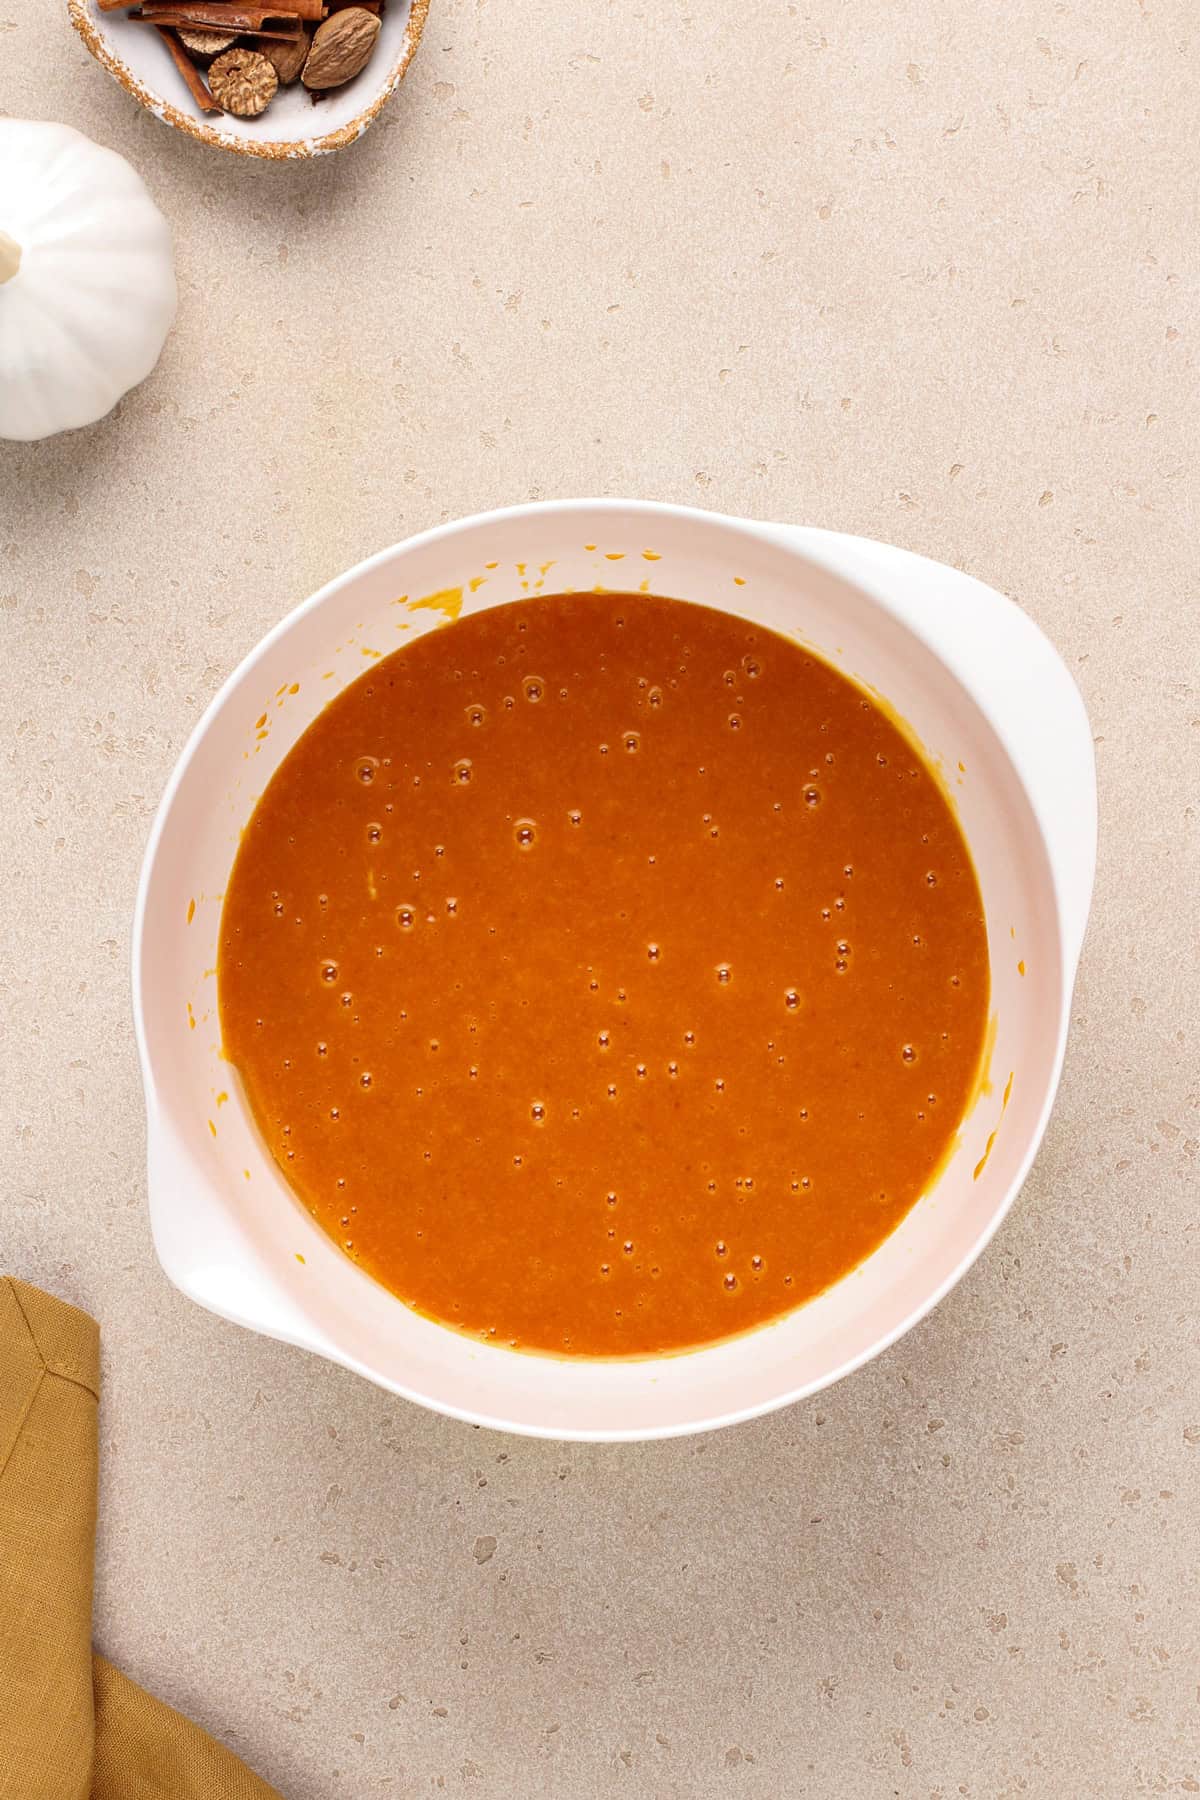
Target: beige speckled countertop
[(926, 272)]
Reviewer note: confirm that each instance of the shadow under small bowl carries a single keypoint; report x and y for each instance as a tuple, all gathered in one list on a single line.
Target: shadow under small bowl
[(292, 126)]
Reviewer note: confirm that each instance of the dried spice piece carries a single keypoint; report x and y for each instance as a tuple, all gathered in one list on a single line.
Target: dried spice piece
[(287, 59), (219, 11), (202, 15), (204, 34), (205, 43), (277, 30), (243, 82), (189, 71), (341, 47)]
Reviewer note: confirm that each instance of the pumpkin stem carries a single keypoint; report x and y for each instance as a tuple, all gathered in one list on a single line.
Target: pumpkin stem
[(10, 257)]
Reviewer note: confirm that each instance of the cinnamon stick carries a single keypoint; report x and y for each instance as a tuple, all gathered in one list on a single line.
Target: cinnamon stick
[(183, 21), (191, 74), (221, 12), (204, 15)]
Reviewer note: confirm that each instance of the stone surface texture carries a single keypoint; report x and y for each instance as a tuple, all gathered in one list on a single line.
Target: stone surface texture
[(926, 272)]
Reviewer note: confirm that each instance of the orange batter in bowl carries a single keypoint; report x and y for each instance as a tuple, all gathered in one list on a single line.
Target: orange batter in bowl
[(606, 974)]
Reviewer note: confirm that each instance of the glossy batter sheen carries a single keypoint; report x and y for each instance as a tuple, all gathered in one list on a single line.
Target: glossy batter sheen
[(606, 974)]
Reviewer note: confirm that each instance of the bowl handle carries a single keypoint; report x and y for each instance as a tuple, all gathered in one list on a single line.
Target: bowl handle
[(208, 1255), (1016, 677)]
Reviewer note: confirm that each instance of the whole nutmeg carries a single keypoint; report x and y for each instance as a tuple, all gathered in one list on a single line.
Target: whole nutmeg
[(286, 56), (205, 43), (341, 47), (243, 82)]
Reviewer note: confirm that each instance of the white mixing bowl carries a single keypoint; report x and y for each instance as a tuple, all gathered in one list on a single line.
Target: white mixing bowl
[(993, 708)]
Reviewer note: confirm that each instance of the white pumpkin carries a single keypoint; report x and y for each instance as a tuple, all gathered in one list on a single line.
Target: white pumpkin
[(87, 286)]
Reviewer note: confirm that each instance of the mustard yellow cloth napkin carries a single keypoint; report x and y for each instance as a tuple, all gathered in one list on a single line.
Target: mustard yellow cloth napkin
[(72, 1726)]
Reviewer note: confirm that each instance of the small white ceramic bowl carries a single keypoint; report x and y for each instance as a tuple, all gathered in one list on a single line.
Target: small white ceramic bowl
[(291, 126), (992, 706)]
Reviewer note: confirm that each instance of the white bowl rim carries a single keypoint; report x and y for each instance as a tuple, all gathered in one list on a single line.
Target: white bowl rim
[(91, 27), (1071, 928)]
